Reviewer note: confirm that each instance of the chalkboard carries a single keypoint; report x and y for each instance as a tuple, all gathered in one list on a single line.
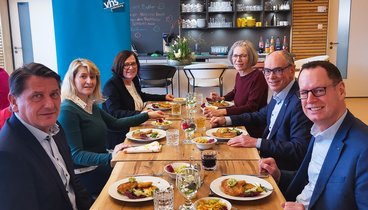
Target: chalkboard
[(149, 19)]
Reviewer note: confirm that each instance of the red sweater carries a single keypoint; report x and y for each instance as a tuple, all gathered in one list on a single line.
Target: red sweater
[(249, 94)]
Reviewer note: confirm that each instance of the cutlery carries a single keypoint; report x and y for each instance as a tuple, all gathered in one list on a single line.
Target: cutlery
[(255, 175)]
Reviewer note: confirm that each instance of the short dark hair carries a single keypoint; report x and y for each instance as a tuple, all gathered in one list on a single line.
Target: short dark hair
[(18, 79), (118, 65), (332, 71)]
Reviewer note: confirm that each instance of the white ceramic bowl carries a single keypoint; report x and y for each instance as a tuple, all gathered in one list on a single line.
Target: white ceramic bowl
[(164, 125), (227, 203), (176, 166), (205, 145)]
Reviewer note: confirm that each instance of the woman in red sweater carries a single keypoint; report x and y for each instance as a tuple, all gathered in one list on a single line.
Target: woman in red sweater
[(250, 90)]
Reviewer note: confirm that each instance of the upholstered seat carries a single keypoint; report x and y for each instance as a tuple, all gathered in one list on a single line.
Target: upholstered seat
[(205, 75)]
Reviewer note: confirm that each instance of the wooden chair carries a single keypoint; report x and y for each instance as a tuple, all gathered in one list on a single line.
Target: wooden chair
[(157, 76), (205, 75)]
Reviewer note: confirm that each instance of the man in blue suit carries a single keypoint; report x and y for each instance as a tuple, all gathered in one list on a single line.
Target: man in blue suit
[(287, 135), (36, 170), (334, 173)]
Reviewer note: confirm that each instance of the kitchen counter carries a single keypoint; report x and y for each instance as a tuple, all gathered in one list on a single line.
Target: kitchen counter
[(199, 57)]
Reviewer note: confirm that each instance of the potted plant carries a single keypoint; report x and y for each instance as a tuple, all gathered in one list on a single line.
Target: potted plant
[(180, 52)]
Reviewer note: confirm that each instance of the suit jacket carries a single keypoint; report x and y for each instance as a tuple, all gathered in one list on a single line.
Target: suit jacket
[(29, 179), (343, 180), (290, 134), (119, 102)]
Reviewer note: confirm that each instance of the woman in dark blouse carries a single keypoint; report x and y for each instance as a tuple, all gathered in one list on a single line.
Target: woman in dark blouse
[(123, 91)]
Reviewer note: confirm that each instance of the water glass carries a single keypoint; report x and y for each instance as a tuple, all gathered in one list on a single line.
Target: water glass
[(163, 199), (175, 109), (172, 137), (209, 158)]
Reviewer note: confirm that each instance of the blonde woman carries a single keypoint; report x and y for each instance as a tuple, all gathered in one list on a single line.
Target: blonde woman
[(86, 125)]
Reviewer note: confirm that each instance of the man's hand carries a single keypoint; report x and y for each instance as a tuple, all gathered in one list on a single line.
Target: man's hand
[(243, 141), (292, 206), (156, 114), (268, 165), (217, 121), (214, 113)]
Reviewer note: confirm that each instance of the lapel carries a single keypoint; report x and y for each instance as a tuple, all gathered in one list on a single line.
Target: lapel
[(27, 139), (332, 158), (280, 117)]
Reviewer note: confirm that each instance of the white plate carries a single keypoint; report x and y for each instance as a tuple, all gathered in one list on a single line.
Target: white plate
[(216, 187), (156, 181), (227, 203), (210, 131), (230, 104), (161, 134), (149, 106)]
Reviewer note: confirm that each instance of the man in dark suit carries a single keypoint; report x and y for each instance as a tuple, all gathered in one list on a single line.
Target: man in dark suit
[(286, 136), (36, 170), (333, 174)]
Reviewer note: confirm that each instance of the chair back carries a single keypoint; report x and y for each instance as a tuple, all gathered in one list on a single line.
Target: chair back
[(206, 70), (299, 63), (156, 72)]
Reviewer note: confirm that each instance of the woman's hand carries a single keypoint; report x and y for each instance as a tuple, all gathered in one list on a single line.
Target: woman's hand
[(216, 97), (169, 97), (118, 148), (156, 114)]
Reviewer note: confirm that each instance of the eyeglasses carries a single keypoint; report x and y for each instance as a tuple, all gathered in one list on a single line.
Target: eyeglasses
[(277, 70), (317, 92), (132, 64), (241, 56)]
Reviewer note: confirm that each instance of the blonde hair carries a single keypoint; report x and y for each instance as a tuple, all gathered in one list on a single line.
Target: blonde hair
[(68, 89)]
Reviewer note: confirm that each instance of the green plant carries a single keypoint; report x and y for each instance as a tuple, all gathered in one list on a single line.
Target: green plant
[(180, 50)]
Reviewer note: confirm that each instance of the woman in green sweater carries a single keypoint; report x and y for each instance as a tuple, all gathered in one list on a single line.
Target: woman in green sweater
[(85, 124)]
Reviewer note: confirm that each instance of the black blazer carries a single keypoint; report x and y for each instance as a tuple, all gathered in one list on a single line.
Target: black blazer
[(28, 178), (119, 102), (290, 135)]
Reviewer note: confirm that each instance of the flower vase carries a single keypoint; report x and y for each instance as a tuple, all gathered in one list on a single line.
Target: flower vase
[(185, 62), (173, 62)]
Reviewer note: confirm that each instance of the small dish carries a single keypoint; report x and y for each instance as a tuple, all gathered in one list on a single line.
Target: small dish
[(204, 142), (212, 200), (162, 124), (176, 167)]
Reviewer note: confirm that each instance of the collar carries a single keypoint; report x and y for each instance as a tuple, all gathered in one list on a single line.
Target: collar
[(39, 134), (330, 132), (280, 96)]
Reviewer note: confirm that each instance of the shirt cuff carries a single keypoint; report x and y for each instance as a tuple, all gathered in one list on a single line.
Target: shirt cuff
[(259, 141), (228, 121)]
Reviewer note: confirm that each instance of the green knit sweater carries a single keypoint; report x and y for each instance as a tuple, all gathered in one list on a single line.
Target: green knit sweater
[(86, 132)]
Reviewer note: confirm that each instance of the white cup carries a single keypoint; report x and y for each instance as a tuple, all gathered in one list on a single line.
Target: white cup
[(172, 137)]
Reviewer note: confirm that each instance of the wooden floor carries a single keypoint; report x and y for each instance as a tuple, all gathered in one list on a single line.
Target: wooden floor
[(359, 107)]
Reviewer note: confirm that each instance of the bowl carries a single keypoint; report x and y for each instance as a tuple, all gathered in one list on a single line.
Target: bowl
[(179, 100), (165, 124), (206, 199), (177, 166), (204, 142)]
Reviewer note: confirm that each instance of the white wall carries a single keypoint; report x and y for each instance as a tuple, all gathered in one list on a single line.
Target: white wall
[(43, 35), (357, 82)]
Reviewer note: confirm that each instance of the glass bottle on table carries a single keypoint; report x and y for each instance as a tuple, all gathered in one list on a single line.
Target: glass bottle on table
[(189, 127)]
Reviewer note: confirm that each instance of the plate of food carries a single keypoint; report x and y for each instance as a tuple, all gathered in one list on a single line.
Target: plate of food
[(162, 124), (241, 187), (146, 134), (220, 104), (208, 203), (136, 189), (163, 106), (225, 133)]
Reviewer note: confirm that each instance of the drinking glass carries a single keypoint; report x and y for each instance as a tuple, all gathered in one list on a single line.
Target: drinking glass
[(191, 103), (175, 109), (172, 137), (163, 199), (209, 159), (201, 124), (188, 182), (189, 128)]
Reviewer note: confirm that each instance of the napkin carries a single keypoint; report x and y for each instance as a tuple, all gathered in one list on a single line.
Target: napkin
[(151, 147)]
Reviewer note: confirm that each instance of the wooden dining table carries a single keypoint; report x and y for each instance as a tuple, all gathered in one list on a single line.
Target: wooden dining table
[(230, 160), (155, 168)]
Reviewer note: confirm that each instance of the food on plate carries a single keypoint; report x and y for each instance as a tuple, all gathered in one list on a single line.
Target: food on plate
[(145, 134), (162, 105), (170, 168), (211, 204), (204, 140), (160, 122), (226, 132), (240, 188), (134, 190), (179, 99), (219, 103)]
